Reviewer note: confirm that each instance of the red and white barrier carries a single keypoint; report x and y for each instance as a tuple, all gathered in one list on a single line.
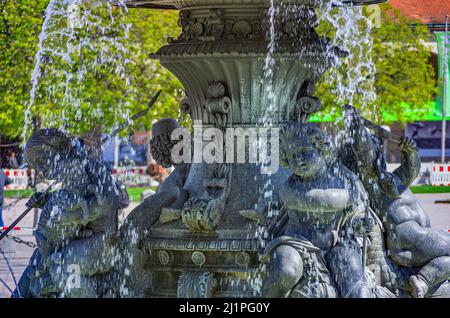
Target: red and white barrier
[(128, 175), (16, 228), (132, 175), (20, 178), (440, 175)]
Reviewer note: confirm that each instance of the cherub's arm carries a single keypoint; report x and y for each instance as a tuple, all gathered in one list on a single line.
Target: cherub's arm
[(66, 208), (361, 141), (175, 182), (316, 200), (328, 199), (176, 179), (38, 200), (410, 161)]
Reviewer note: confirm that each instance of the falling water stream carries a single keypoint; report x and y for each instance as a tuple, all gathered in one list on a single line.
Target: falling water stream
[(65, 19), (354, 74), (77, 43)]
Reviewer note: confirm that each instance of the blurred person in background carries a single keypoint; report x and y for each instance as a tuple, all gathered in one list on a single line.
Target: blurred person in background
[(12, 161), (4, 181)]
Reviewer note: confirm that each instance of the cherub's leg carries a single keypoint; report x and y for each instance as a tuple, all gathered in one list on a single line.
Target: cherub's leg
[(43, 286), (74, 285), (284, 272), (45, 228), (435, 272), (72, 269), (132, 232), (23, 286), (412, 245), (345, 264), (89, 255), (45, 246), (179, 203), (51, 230), (82, 287)]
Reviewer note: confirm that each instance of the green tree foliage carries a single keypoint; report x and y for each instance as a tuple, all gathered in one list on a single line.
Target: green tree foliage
[(107, 76), (20, 25), (88, 93), (404, 80)]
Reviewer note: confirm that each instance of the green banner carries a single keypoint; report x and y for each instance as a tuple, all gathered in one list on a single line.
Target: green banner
[(440, 41)]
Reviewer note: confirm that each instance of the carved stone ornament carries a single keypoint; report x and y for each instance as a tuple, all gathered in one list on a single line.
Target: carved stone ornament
[(186, 106), (242, 259), (198, 258), (202, 213), (306, 104), (165, 257), (196, 285), (216, 26), (218, 105)]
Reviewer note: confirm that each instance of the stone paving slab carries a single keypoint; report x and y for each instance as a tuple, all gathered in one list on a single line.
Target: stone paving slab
[(19, 254)]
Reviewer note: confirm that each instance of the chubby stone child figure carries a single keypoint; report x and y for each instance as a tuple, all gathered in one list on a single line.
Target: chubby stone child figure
[(323, 200), (161, 146), (411, 241), (170, 196), (78, 223), (171, 189)]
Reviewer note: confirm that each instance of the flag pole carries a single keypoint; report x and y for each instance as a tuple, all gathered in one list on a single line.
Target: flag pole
[(444, 94)]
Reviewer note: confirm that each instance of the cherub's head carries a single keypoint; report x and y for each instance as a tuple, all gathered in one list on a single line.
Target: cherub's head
[(161, 143), (304, 149), (56, 155)]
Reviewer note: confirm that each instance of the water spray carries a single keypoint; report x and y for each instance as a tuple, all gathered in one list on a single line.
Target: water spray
[(104, 140)]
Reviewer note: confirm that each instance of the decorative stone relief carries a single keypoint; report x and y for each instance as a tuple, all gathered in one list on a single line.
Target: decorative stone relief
[(196, 285), (218, 105), (198, 258), (306, 103), (165, 257), (242, 259), (202, 213), (216, 26), (222, 25)]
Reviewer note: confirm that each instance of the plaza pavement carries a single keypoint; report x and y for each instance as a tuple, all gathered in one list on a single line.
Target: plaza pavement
[(19, 254)]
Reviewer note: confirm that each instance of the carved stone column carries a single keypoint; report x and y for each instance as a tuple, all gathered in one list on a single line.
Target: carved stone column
[(229, 45), (226, 41)]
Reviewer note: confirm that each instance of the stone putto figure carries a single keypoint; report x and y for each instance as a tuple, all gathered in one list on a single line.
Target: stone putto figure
[(164, 206), (319, 248), (77, 227), (411, 241)]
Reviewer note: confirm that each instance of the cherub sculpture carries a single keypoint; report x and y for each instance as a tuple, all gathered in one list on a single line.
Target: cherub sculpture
[(164, 206), (78, 223), (324, 202), (411, 241), (161, 146)]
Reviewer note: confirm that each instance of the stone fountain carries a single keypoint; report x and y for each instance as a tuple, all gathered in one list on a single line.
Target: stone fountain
[(229, 230)]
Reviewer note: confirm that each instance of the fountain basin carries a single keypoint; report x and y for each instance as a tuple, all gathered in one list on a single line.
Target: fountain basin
[(179, 4)]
